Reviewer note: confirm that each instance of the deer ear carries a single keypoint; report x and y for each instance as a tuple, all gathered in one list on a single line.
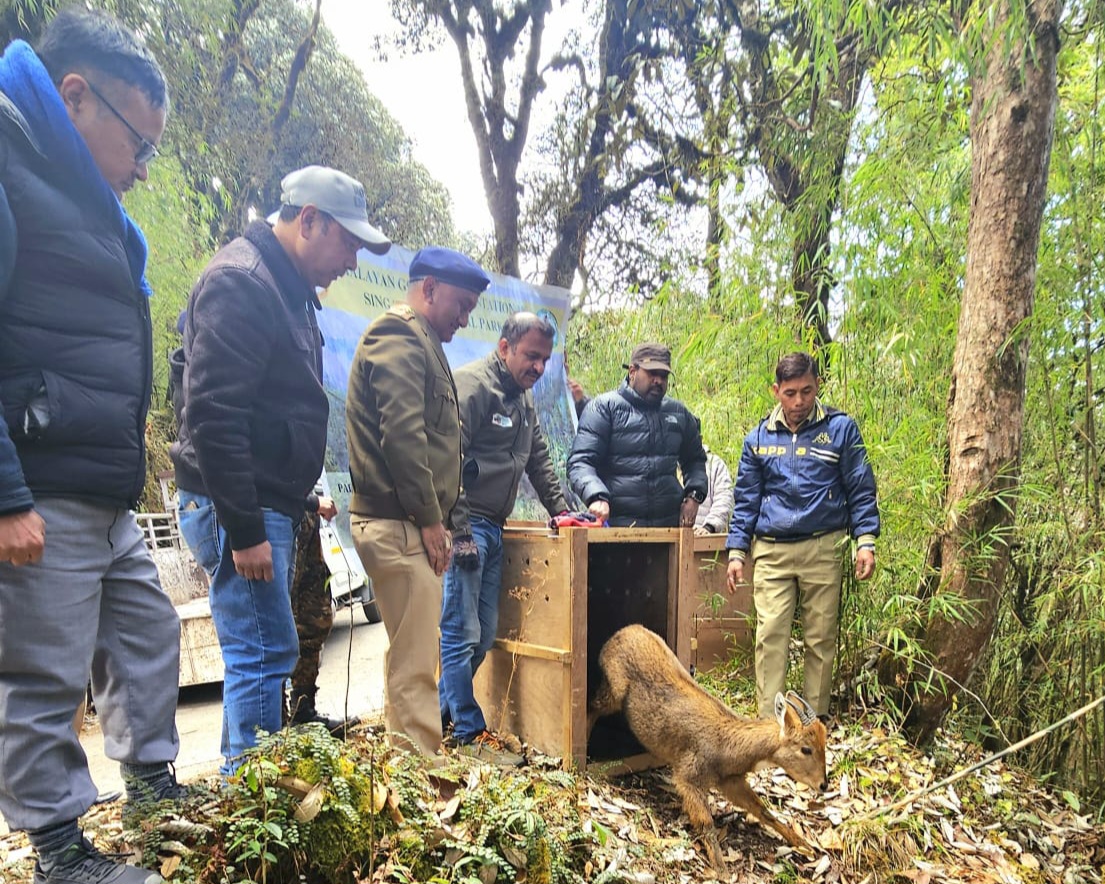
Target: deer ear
[(781, 713)]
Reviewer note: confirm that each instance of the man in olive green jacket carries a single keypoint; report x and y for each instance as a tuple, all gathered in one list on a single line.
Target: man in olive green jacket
[(403, 425), (501, 440)]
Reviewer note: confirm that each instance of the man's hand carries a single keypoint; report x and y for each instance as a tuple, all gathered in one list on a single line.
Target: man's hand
[(600, 509), (734, 577), (254, 562), (466, 554), (688, 512), (865, 563), (22, 537), (436, 540), (576, 389), (327, 508)]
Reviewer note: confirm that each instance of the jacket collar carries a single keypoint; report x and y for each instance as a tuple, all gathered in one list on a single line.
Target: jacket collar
[(634, 398), (293, 287), (777, 423), (510, 387), (435, 341), (12, 120)]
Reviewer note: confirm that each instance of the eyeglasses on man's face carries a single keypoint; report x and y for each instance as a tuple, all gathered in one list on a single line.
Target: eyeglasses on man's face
[(147, 150)]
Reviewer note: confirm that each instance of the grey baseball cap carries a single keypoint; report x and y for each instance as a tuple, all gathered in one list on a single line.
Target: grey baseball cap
[(336, 194)]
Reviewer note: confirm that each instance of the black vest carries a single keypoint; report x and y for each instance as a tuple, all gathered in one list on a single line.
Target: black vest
[(75, 338)]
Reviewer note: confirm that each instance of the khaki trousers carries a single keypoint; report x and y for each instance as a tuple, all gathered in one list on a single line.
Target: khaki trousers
[(408, 594), (783, 574)]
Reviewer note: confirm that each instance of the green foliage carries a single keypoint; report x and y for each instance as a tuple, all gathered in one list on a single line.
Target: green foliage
[(268, 840), (227, 65), (175, 222), (305, 807), (898, 258)]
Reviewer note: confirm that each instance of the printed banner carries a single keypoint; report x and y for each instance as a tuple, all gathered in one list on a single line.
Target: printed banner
[(380, 281)]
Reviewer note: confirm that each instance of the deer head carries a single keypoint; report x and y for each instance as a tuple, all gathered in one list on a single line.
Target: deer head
[(801, 751)]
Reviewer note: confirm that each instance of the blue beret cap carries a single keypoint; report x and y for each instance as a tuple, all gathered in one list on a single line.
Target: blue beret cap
[(449, 266)]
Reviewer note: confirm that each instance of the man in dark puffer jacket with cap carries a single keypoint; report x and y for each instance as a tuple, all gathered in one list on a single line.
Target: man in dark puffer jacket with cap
[(629, 443)]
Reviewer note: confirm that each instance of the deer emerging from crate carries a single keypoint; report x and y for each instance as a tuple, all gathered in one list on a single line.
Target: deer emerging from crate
[(707, 745)]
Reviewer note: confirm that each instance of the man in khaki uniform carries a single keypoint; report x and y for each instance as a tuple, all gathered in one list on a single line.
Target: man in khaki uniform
[(403, 424)]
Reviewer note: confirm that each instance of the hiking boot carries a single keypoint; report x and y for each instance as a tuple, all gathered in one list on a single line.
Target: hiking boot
[(84, 864), (146, 794), (161, 786), (490, 748)]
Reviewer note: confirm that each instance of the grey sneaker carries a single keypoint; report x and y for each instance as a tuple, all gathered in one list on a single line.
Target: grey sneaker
[(84, 864), (490, 748)]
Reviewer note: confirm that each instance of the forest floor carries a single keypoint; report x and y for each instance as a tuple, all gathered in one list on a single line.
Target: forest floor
[(479, 824)]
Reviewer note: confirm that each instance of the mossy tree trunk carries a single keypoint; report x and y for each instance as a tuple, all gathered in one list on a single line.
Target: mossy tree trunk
[(1012, 117)]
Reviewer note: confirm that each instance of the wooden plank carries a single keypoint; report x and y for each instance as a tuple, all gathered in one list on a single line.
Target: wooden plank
[(526, 649), (201, 658), (534, 605), (575, 684), (631, 535), (524, 696), (684, 588), (721, 622), (623, 766)]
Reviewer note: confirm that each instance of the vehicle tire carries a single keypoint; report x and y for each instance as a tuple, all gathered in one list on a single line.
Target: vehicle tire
[(371, 611)]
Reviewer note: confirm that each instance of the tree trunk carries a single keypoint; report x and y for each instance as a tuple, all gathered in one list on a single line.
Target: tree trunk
[(1012, 115), (806, 175)]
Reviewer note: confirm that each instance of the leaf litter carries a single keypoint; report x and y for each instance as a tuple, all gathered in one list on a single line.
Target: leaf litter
[(996, 826)]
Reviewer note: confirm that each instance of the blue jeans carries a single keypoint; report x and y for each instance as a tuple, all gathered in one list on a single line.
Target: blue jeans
[(254, 622), (469, 621)]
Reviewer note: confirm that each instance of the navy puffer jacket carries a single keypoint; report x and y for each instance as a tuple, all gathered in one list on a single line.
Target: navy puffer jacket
[(626, 452), (76, 361)]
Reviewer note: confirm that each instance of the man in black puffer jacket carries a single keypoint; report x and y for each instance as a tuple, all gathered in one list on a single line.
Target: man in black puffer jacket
[(630, 442), (79, 121)]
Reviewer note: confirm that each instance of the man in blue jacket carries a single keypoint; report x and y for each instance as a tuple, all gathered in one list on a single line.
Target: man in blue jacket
[(80, 119), (804, 484)]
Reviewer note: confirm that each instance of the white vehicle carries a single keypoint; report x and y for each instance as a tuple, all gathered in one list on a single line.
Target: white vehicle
[(348, 583)]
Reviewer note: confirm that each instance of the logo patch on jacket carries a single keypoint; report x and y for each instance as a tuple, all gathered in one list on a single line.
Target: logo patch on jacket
[(502, 420), (822, 439)]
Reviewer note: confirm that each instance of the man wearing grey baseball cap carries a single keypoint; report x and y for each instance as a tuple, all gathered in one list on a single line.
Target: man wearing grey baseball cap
[(253, 428), (336, 194)]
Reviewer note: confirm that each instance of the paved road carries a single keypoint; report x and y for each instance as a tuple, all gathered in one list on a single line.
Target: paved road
[(352, 678)]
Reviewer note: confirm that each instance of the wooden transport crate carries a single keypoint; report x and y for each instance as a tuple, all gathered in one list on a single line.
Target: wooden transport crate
[(722, 623), (563, 596)]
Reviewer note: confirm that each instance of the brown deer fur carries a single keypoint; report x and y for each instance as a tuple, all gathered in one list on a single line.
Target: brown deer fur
[(707, 745)]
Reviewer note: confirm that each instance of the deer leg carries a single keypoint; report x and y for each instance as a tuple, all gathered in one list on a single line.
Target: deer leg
[(737, 790), (605, 702), (702, 821)]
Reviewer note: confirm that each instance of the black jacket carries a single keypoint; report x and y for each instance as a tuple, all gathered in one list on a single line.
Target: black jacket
[(75, 340), (254, 412), (626, 452), (501, 440)]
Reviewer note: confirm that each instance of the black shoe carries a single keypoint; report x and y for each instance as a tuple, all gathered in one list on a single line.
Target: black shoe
[(145, 797), (84, 864), (163, 787), (338, 727)]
